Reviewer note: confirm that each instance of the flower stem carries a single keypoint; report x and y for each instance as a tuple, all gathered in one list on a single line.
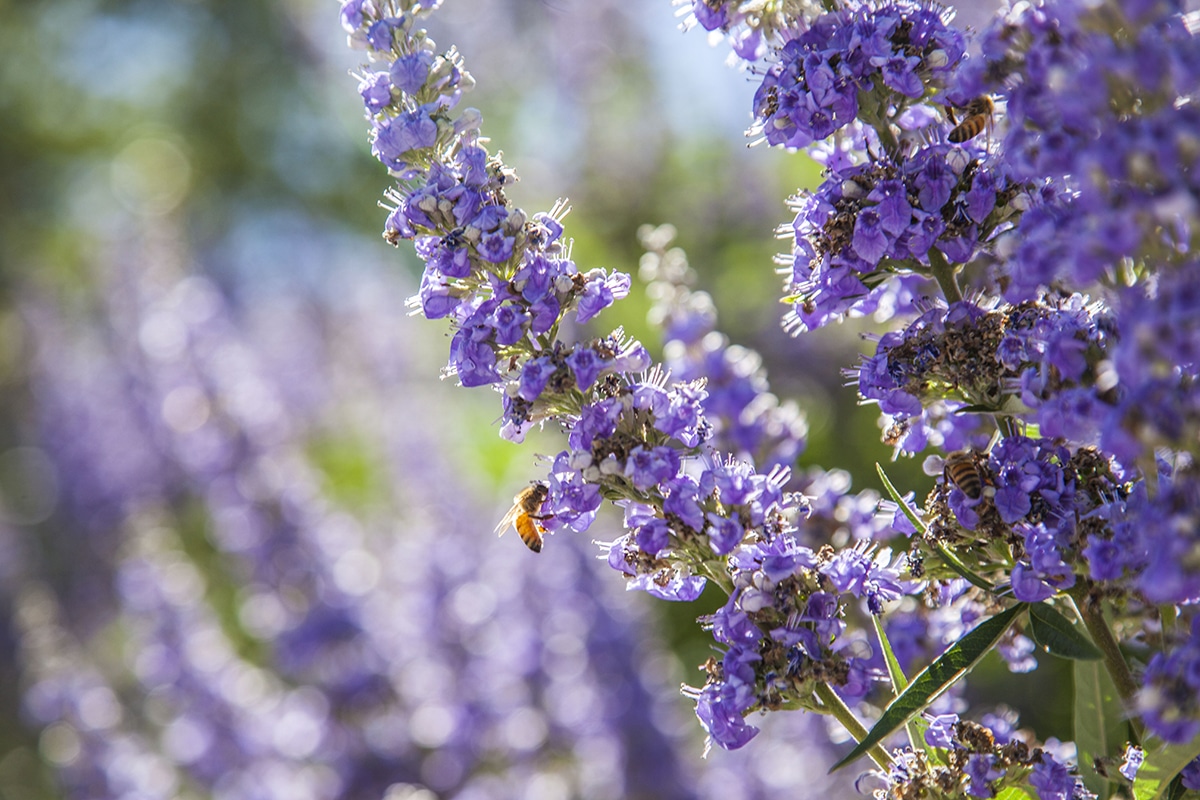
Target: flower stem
[(943, 273), (1093, 619), (962, 570), (841, 712)]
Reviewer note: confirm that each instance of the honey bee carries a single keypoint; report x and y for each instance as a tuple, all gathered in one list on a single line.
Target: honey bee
[(524, 516), (977, 115), (962, 470)]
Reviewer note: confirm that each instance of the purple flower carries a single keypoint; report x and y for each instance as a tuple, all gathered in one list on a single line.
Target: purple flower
[(782, 557), (376, 91), (895, 213), (900, 74), (1052, 779), (599, 292), (935, 181), (380, 33), (587, 365), (395, 137), (436, 297), (981, 771), (853, 570), (450, 260), (720, 710), (711, 16), (654, 536), (1012, 502), (634, 357), (959, 249), (652, 397), (1002, 724), (1106, 560), (673, 588), (496, 246), (1134, 756), (1169, 700), (684, 414), (823, 608), (1017, 652), (922, 235), (1027, 586), (964, 507), (649, 467), (596, 421), (940, 732), (410, 71), (724, 533), (535, 373), (981, 197), (683, 501), (472, 354), (1191, 775), (510, 322), (870, 237), (351, 15)]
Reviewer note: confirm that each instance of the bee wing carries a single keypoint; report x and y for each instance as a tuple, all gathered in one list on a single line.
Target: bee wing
[(509, 519)]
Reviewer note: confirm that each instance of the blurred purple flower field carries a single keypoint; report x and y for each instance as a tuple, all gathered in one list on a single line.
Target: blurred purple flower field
[(197, 611)]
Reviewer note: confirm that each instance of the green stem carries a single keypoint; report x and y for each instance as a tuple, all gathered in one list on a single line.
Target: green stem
[(1007, 426), (887, 138), (841, 712), (963, 571), (944, 274), (717, 576), (1114, 661), (873, 110)]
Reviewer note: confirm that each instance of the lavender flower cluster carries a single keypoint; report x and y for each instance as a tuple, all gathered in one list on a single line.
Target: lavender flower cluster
[(979, 759), (870, 222), (1050, 167), (845, 63)]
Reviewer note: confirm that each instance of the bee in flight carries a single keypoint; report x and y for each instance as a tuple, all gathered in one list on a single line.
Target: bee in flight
[(524, 515), (963, 472), (977, 115)]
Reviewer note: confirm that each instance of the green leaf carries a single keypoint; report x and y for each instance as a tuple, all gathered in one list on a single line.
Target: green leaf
[(939, 676), (1163, 763), (1014, 793), (978, 408), (962, 571), (895, 672), (1169, 615), (1055, 632), (917, 522), (1100, 727), (1176, 791), (916, 727)]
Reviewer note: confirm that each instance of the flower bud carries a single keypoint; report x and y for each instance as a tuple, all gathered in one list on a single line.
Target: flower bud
[(851, 190)]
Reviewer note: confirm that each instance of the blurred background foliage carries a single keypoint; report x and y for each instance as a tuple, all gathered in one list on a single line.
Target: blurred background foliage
[(148, 144)]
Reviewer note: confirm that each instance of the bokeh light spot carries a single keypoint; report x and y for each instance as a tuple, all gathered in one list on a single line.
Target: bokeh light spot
[(29, 486), (59, 744), (151, 176)]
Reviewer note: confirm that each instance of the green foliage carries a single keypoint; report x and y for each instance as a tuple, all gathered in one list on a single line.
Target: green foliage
[(1163, 763), (1100, 729), (915, 727), (1055, 632), (222, 581), (939, 676)]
